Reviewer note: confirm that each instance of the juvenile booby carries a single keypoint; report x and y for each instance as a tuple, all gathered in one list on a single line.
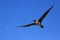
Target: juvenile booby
[(40, 20)]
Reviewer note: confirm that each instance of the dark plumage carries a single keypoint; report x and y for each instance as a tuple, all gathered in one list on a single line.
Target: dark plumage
[(40, 20)]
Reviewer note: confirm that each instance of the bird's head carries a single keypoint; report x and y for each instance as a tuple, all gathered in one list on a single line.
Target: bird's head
[(34, 20)]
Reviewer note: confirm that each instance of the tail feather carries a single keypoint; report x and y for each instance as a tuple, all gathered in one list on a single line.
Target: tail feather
[(42, 26)]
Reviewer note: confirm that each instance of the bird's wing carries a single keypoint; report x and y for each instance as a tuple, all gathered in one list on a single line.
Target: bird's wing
[(44, 15), (28, 25)]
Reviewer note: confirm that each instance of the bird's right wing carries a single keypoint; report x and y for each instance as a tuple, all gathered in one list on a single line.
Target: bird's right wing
[(45, 13), (27, 25)]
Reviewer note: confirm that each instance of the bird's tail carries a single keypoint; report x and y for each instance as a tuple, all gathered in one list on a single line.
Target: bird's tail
[(42, 26)]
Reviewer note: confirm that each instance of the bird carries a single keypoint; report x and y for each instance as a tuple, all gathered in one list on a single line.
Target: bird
[(39, 22)]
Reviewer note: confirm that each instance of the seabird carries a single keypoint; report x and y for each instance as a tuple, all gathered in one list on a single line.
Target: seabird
[(40, 20)]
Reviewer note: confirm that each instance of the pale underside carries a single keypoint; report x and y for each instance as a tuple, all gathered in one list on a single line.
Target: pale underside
[(38, 23)]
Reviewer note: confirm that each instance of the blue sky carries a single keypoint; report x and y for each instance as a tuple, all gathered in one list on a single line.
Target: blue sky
[(19, 12)]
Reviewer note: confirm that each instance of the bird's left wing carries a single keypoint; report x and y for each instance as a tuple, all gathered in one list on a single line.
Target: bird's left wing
[(44, 15), (27, 25)]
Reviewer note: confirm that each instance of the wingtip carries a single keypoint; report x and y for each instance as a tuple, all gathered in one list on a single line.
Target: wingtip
[(53, 5)]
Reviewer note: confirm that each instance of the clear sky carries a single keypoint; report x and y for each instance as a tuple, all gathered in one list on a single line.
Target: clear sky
[(19, 12)]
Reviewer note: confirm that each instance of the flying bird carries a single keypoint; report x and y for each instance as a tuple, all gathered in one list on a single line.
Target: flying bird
[(39, 22)]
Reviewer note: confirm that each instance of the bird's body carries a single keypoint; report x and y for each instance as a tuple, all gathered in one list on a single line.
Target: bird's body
[(40, 20), (38, 23)]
